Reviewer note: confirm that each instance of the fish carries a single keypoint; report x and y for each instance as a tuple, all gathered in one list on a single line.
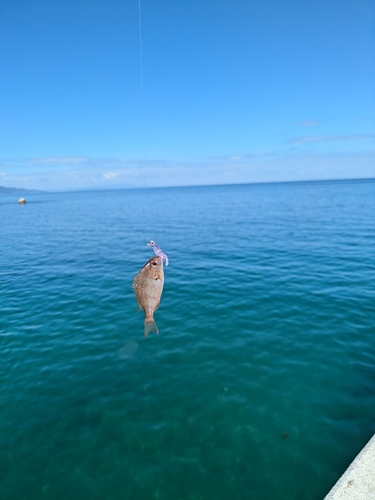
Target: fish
[(148, 287), (158, 251)]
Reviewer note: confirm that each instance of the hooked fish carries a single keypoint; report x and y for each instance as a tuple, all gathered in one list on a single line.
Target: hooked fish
[(158, 251), (148, 286)]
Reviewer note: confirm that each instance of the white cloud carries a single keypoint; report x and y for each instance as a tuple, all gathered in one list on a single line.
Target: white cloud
[(110, 175)]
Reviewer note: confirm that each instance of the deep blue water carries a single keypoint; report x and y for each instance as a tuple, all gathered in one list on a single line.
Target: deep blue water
[(261, 384)]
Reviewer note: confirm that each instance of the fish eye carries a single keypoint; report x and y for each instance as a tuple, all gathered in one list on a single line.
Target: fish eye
[(152, 242), (154, 263)]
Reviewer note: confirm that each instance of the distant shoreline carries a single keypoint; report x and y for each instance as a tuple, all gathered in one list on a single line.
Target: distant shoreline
[(18, 191), (141, 188)]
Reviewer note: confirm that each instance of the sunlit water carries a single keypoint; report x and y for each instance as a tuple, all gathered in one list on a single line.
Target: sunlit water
[(261, 384)]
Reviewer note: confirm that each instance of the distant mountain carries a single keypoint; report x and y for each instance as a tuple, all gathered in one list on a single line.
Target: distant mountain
[(12, 190)]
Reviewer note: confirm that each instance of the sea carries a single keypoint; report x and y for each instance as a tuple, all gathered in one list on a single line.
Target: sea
[(261, 382)]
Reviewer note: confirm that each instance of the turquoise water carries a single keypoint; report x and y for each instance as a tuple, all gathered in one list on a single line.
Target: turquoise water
[(261, 384)]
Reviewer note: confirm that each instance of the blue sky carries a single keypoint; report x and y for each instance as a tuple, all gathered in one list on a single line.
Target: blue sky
[(233, 91)]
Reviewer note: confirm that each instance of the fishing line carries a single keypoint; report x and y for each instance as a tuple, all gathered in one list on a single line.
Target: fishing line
[(141, 70), (142, 101)]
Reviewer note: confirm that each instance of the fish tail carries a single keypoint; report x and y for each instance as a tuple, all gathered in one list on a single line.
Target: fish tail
[(150, 325)]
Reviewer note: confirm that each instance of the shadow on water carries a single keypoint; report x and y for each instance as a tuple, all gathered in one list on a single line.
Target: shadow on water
[(128, 349)]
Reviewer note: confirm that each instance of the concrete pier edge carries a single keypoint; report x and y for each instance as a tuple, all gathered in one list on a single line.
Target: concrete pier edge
[(358, 481)]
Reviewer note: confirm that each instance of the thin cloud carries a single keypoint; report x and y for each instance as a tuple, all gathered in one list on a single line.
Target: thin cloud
[(309, 123), (243, 157), (74, 162), (120, 173), (330, 138), (70, 160), (236, 158)]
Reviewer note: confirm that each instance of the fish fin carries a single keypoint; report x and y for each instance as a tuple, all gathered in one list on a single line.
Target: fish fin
[(150, 325), (139, 306)]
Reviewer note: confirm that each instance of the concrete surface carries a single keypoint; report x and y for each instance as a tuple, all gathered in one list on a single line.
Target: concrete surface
[(358, 481)]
